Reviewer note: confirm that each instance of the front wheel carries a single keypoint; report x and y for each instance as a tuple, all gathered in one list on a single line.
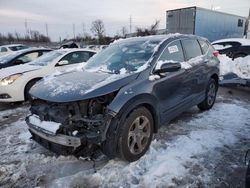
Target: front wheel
[(211, 92), (133, 137)]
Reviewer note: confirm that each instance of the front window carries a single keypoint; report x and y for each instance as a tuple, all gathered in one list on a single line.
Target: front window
[(47, 58), (28, 57), (123, 56), (173, 52)]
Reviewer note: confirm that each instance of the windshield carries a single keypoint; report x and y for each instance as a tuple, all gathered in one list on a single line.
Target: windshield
[(123, 56), (47, 58)]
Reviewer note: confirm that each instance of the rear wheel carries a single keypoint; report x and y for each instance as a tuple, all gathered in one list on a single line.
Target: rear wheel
[(134, 135), (211, 93)]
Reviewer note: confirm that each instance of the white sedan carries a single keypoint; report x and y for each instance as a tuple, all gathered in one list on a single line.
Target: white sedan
[(16, 81), (6, 49)]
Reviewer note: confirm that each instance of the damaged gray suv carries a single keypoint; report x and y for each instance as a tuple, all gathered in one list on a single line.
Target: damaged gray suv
[(123, 95)]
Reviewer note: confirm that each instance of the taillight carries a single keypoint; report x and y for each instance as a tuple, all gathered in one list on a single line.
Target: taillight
[(216, 53)]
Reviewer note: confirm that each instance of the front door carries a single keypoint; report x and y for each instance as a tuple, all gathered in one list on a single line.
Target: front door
[(174, 89)]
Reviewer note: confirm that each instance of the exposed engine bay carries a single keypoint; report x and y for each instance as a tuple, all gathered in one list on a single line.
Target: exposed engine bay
[(87, 118)]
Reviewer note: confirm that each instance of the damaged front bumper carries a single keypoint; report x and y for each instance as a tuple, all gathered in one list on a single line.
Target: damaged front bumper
[(61, 139), (58, 143), (66, 145)]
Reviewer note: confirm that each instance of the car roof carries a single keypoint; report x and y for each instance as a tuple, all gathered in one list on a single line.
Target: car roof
[(244, 42), (12, 45), (76, 50), (160, 37)]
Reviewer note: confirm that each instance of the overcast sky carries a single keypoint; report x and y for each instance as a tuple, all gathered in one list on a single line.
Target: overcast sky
[(60, 15)]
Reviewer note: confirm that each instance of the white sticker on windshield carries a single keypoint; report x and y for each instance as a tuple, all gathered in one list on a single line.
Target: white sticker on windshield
[(173, 49)]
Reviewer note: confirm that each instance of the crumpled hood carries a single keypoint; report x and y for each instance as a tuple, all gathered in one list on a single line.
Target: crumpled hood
[(79, 85), (17, 69)]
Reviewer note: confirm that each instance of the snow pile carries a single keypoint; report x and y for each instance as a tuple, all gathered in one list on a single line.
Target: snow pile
[(239, 66)]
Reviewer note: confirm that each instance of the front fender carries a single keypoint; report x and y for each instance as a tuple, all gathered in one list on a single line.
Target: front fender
[(125, 102)]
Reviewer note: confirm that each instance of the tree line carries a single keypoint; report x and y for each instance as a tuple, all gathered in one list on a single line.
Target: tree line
[(97, 29), (33, 36)]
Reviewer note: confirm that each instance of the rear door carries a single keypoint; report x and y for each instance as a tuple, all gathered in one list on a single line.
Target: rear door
[(195, 58)]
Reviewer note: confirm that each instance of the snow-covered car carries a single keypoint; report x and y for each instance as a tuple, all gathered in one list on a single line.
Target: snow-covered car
[(6, 49), (22, 57), (233, 47), (123, 95), (16, 81)]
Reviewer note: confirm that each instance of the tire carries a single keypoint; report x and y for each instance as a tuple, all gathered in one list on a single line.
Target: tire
[(211, 92), (27, 89), (133, 136)]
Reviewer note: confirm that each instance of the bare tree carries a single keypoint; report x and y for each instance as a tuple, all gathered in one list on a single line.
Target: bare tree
[(152, 30), (98, 28)]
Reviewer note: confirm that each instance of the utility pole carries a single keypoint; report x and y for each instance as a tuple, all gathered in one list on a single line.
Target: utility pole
[(74, 31), (130, 24), (47, 32), (26, 27)]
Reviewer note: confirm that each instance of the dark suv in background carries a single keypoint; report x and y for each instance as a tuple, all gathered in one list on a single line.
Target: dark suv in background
[(123, 95)]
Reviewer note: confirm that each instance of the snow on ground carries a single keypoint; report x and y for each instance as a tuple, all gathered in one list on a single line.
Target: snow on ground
[(240, 66), (187, 153), (168, 162)]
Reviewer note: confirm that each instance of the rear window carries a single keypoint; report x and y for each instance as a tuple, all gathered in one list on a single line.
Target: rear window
[(192, 48)]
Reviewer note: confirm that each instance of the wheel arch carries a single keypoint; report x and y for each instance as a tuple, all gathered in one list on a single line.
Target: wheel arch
[(145, 100)]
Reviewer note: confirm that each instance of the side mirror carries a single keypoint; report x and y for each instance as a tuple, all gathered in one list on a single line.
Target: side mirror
[(167, 67), (63, 62)]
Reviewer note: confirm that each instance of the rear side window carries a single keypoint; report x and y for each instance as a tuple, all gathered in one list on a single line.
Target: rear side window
[(204, 46), (173, 52), (192, 48)]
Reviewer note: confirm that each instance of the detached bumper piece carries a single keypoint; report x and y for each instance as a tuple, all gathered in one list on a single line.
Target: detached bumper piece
[(59, 143)]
